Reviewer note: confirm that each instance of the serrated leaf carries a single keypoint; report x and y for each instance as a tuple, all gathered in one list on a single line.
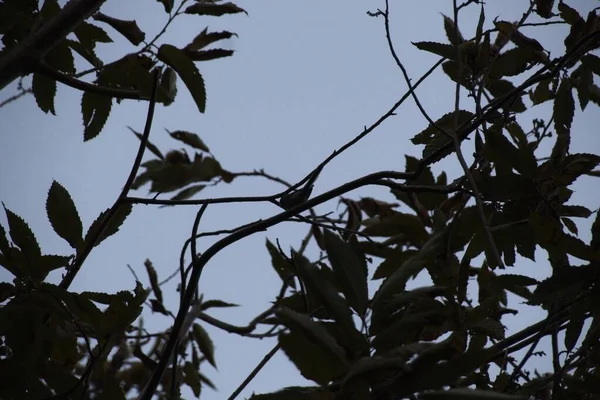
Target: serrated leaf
[(544, 8), (205, 344), (89, 34), (468, 394), (542, 92), (50, 262), (149, 144), (316, 332), (575, 325), (396, 283), (88, 54), (444, 50), (512, 62), (216, 304), (452, 33), (95, 109), (22, 235), (191, 376), (446, 123), (212, 54), (215, 10), (564, 108), (204, 39), (318, 285), (280, 264), (111, 227), (501, 87), (167, 90), (168, 5), (189, 138), (187, 71), (153, 277), (479, 30), (350, 270), (570, 225), (44, 91), (187, 192), (129, 29), (294, 393), (63, 215), (61, 58)]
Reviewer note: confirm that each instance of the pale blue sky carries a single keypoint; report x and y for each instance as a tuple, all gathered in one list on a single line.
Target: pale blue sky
[(305, 78)]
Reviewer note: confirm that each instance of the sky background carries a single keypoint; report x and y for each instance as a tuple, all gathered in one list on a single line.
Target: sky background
[(306, 77)]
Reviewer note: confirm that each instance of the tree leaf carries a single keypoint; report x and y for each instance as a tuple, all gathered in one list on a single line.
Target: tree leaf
[(129, 29), (397, 282), (95, 109), (61, 58), (216, 304), (444, 50), (167, 90), (350, 270), (318, 285), (153, 277), (564, 108), (187, 192), (187, 71), (575, 325), (204, 39), (468, 394), (149, 144), (216, 10), (452, 33), (89, 34), (316, 332), (111, 228), (63, 215), (280, 264), (189, 138), (212, 54), (512, 62), (205, 343), (22, 235), (168, 5), (44, 91)]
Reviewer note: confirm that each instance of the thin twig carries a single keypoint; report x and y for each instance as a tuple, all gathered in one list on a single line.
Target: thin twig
[(89, 245)]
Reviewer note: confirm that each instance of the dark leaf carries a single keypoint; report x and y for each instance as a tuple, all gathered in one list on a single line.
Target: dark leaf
[(187, 71), (212, 54), (204, 39), (189, 138), (63, 215), (468, 394), (216, 10), (88, 35), (192, 378), (149, 144), (129, 29), (167, 90), (302, 324), (512, 62), (44, 91), (110, 228), (95, 109), (88, 54), (544, 8), (216, 304), (187, 192), (168, 5), (281, 265), (294, 393), (61, 58), (444, 50), (153, 277), (542, 92), (452, 32), (564, 108), (319, 286), (350, 270), (205, 344), (22, 235), (575, 325), (396, 283)]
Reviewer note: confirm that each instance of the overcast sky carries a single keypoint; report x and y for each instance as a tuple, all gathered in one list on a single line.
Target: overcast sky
[(306, 77)]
